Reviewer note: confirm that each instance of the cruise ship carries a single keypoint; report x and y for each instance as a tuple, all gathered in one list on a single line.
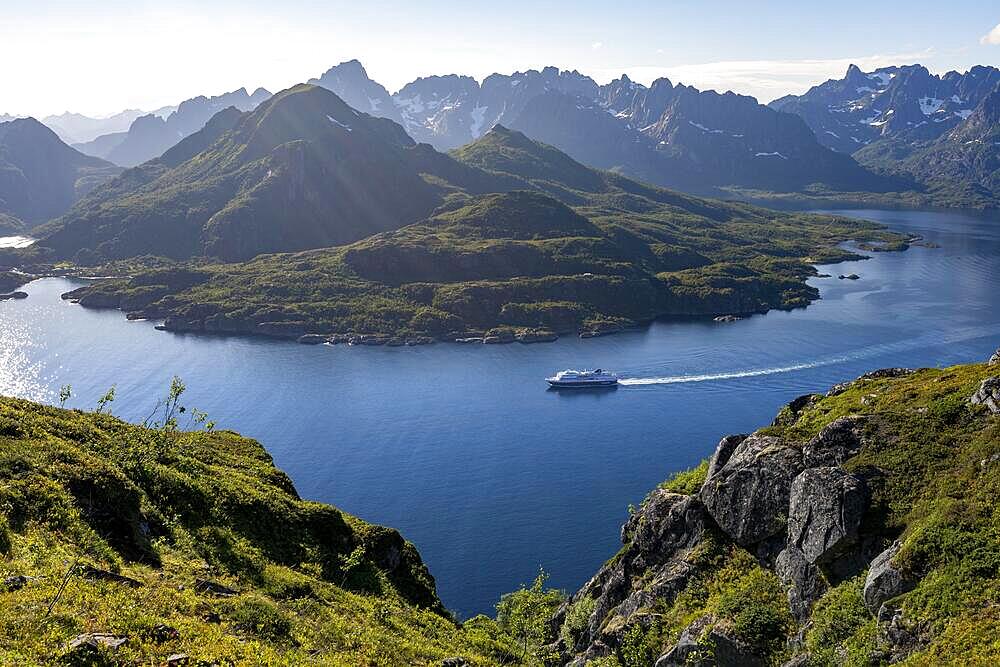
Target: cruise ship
[(582, 379)]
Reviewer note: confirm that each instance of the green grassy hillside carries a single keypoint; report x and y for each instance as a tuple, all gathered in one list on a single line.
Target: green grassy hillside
[(576, 250), (194, 543)]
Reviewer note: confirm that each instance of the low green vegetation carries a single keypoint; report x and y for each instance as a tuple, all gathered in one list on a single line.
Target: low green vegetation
[(512, 262), (182, 539), (931, 460)]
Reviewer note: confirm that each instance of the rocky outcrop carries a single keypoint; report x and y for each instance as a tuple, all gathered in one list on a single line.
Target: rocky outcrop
[(803, 581), (748, 496), (885, 580), (995, 359), (835, 443), (789, 503), (705, 644), (825, 512), (988, 395), (881, 374), (659, 539)]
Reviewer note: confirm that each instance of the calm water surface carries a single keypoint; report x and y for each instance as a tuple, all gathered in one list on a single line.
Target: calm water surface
[(463, 448)]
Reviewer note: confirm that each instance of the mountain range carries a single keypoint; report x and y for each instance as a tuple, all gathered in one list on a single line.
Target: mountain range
[(675, 136), (907, 104), (303, 170), (150, 135), (504, 237), (939, 131), (75, 128), (40, 176), (845, 137)]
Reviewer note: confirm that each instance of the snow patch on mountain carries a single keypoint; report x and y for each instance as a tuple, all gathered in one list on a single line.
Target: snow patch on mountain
[(338, 123), (929, 105)]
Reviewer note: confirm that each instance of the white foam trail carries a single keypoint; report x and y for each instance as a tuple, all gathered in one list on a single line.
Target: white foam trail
[(732, 375), (935, 338)]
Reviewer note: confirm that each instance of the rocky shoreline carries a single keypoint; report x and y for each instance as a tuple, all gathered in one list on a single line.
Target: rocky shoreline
[(798, 509)]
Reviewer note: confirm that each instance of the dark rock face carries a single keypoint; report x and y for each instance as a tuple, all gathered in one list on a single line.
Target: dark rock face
[(791, 412), (803, 580), (897, 638), (988, 395), (723, 451), (658, 540), (748, 497), (837, 442), (825, 512), (885, 581)]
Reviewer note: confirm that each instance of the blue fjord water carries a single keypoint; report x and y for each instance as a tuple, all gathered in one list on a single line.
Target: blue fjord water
[(462, 447)]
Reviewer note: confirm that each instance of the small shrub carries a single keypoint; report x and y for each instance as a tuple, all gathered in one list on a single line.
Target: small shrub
[(5, 537), (576, 619), (261, 618), (687, 481)]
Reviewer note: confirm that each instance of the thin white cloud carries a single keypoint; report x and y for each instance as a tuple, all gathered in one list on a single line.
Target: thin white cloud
[(597, 45), (764, 79), (992, 37)]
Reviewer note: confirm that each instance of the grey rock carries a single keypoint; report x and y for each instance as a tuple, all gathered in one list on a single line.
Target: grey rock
[(988, 395), (885, 581), (659, 539), (897, 637), (880, 374), (803, 580), (537, 336), (824, 512), (91, 641), (801, 660), (703, 644), (16, 582), (748, 496), (311, 339), (91, 573), (723, 451), (13, 295), (790, 413), (596, 650), (455, 662), (995, 359), (835, 443), (178, 659), (687, 650), (213, 588)]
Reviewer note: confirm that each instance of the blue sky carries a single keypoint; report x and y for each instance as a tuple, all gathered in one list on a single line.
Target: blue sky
[(101, 57)]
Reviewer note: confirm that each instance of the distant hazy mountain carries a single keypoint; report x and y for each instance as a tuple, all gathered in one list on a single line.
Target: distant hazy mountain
[(304, 170), (149, 136), (74, 128), (449, 111), (350, 82), (672, 136), (681, 137), (908, 104), (40, 176)]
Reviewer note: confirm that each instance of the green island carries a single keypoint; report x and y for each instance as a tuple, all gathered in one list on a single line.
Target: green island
[(174, 541), (568, 250)]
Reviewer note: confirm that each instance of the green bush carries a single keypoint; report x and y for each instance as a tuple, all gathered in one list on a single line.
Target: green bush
[(260, 617)]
